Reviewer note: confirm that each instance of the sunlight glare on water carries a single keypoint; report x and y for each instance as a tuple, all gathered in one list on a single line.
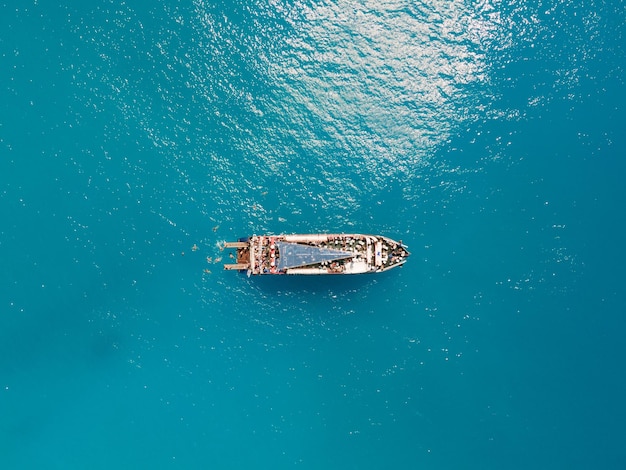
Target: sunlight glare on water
[(384, 82), (348, 91)]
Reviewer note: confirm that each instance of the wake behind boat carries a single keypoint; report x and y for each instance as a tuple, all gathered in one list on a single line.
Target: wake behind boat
[(314, 254)]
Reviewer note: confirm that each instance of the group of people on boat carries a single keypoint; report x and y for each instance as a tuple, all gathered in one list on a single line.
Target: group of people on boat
[(396, 255), (340, 242), (266, 256)]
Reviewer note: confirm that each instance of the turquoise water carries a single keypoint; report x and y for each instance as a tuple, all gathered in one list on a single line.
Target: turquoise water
[(490, 138)]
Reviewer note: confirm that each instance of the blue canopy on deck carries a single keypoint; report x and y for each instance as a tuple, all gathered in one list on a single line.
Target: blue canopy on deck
[(293, 255)]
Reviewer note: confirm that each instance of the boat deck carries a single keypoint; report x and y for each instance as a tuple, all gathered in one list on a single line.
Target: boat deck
[(317, 254)]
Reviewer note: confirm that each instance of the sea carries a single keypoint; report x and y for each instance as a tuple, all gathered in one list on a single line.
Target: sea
[(137, 137)]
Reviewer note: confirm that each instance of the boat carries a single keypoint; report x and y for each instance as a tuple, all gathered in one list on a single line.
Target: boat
[(316, 254)]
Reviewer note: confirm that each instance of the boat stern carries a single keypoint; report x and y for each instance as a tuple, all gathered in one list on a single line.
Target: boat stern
[(242, 257)]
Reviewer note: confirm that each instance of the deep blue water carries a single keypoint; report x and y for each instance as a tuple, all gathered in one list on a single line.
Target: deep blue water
[(489, 137)]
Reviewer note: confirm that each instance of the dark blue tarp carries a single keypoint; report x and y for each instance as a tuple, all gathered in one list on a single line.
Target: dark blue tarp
[(293, 255)]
